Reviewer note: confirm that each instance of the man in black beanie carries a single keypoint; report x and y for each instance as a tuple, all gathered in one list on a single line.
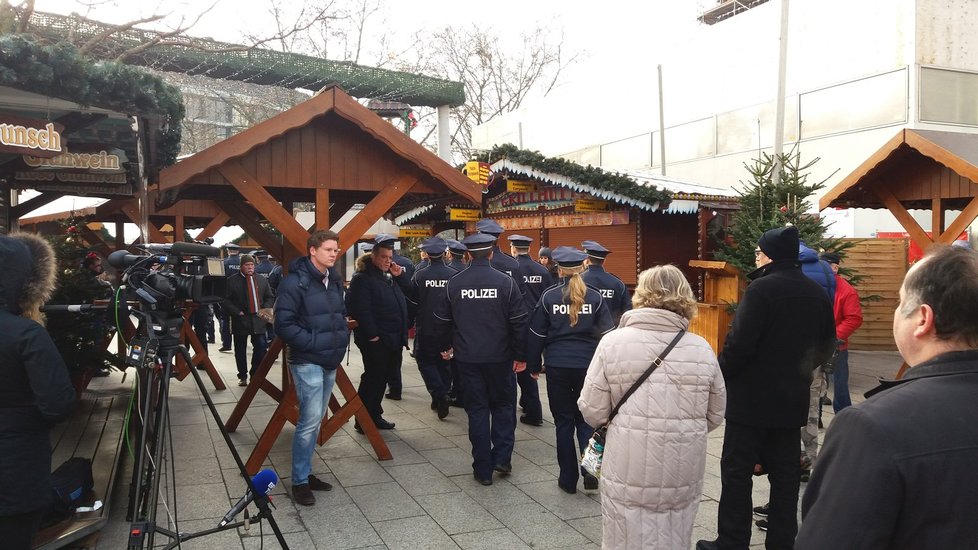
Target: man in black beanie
[(782, 331)]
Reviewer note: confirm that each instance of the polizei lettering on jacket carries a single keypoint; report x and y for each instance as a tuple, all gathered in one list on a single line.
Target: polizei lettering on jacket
[(605, 293), (564, 309), (532, 279), (478, 293), (435, 283)]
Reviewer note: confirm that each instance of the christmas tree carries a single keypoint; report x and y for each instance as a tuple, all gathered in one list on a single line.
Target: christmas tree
[(767, 204)]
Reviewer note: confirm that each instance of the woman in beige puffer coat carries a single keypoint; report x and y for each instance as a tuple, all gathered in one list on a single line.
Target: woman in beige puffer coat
[(655, 451)]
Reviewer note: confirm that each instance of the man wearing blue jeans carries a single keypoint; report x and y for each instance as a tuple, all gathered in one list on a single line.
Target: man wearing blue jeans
[(310, 318), (848, 318)]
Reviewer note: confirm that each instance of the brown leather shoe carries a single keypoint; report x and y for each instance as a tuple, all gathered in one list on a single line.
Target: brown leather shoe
[(317, 484), (302, 494)]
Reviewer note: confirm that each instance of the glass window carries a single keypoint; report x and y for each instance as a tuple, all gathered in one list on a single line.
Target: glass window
[(948, 96), (875, 101)]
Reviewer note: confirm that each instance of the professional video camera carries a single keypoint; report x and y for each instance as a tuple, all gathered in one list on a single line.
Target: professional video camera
[(171, 274)]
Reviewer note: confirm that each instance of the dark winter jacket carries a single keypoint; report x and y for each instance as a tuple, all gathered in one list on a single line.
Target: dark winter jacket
[(817, 270), (376, 302), (782, 331), (310, 316), (898, 470), (236, 304), (35, 389)]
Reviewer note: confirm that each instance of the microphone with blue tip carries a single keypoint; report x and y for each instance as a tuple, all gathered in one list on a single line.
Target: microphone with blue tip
[(263, 482)]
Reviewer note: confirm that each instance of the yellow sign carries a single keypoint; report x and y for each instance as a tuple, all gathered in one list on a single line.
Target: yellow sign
[(590, 205), (19, 134), (520, 186), (413, 232), (465, 214), (477, 171)]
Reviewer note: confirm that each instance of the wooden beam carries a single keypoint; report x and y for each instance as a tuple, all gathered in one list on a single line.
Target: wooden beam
[(860, 172), (132, 212), (964, 219), (376, 208), (94, 240), (214, 226), (937, 217), (245, 216), (120, 236), (30, 205), (917, 234), (178, 228), (322, 208), (253, 190)]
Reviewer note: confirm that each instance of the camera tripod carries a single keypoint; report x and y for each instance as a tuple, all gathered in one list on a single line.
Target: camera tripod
[(153, 357)]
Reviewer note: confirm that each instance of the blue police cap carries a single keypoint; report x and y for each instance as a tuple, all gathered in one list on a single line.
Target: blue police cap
[(384, 240), (488, 226), (595, 250), (367, 247), (520, 241), (567, 256), (478, 241), (232, 246), (455, 246), (435, 246)]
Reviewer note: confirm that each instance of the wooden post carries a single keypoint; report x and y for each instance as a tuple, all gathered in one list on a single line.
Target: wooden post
[(322, 208), (199, 356)]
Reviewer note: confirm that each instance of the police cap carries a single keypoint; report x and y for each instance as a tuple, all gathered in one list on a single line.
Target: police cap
[(455, 246), (367, 247), (488, 226), (384, 240), (595, 250), (232, 246), (478, 241), (567, 256), (520, 241), (435, 246)]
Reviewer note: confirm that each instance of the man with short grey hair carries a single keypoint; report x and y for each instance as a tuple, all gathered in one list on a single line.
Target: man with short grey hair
[(898, 470)]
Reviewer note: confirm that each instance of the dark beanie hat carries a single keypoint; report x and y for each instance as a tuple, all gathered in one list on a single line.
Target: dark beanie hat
[(780, 243)]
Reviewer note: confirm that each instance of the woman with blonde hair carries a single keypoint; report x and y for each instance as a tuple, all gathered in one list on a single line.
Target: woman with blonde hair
[(565, 328), (655, 448)]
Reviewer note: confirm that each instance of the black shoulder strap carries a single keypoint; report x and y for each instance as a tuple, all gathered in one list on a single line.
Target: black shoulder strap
[(655, 365)]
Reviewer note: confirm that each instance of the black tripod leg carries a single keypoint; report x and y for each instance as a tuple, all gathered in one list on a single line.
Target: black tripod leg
[(261, 499)]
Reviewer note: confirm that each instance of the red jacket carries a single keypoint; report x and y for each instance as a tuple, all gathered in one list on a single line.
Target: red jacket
[(848, 312)]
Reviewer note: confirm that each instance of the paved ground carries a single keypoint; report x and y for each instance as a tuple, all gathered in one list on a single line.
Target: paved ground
[(424, 498)]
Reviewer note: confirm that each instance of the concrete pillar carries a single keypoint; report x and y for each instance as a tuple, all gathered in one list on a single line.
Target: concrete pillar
[(444, 134)]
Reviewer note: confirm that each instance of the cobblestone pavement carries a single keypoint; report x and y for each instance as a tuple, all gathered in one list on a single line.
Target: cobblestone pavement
[(424, 498)]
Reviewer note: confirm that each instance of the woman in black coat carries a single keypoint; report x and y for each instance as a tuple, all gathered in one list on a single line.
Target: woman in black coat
[(35, 389)]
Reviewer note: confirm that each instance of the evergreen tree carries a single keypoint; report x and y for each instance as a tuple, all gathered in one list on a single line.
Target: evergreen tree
[(766, 204)]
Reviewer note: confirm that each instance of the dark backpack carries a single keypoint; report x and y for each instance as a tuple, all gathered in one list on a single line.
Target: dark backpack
[(72, 485)]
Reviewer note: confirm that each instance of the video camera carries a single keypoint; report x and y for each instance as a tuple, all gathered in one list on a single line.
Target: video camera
[(170, 274)]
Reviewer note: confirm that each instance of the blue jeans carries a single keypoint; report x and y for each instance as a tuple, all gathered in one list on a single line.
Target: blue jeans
[(840, 379), (313, 388)]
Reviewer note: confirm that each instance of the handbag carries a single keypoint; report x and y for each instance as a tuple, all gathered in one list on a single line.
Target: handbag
[(594, 454)]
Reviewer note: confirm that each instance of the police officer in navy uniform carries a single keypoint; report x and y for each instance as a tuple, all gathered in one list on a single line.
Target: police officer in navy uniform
[(565, 327), (536, 278), (376, 301), (500, 260), (611, 288), (428, 287), (457, 251), (232, 265), (483, 310)]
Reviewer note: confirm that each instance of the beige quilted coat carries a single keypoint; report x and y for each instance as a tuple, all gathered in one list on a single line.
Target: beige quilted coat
[(655, 453)]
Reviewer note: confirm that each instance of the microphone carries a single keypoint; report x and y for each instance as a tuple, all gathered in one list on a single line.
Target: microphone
[(263, 481)]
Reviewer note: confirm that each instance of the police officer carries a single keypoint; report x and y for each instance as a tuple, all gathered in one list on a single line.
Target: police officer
[(232, 265), (457, 251), (500, 260), (610, 286), (536, 279), (428, 287), (483, 310), (425, 260), (264, 266), (566, 327)]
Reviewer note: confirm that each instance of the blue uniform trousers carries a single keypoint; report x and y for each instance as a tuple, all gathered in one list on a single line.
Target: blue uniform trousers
[(530, 396), (563, 389), (198, 320), (224, 318), (490, 403), (436, 374), (259, 347)]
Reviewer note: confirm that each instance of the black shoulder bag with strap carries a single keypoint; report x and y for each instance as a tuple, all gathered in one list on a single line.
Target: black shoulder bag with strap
[(594, 454)]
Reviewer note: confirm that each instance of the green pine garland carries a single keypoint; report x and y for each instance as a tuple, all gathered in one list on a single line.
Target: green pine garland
[(585, 175), (58, 71)]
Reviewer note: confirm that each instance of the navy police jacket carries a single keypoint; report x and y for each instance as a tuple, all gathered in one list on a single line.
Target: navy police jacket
[(232, 264), (508, 265), (536, 279), (483, 310), (310, 315), (561, 344), (377, 303), (611, 288), (429, 285)]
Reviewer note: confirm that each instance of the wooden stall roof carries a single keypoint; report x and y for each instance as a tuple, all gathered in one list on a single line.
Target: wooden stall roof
[(916, 166), (330, 103)]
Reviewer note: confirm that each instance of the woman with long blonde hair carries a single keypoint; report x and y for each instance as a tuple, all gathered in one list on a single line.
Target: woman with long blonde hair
[(565, 328)]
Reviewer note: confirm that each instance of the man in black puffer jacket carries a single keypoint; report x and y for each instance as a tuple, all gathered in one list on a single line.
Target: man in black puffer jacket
[(310, 317), (35, 389), (783, 329)]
